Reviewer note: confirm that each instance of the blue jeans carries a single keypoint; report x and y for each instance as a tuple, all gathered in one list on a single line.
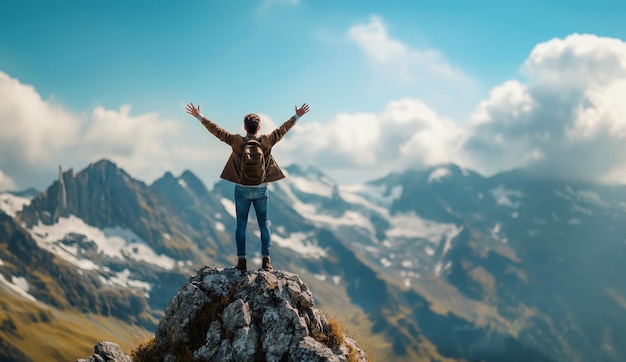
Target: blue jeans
[(259, 196)]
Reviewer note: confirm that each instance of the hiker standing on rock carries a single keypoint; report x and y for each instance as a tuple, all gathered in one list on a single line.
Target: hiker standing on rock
[(251, 167)]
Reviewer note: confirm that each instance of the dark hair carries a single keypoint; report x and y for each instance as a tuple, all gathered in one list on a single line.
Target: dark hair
[(251, 123)]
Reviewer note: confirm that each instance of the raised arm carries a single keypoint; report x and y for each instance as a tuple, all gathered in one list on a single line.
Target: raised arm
[(211, 126), (279, 132)]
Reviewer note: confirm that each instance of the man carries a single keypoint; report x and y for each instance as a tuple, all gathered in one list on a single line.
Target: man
[(251, 179)]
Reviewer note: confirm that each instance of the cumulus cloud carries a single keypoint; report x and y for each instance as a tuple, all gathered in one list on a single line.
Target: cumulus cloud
[(33, 131), (137, 142), (406, 133), (37, 135), (568, 122)]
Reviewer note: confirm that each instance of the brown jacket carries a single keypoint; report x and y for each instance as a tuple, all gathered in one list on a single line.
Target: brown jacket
[(232, 168)]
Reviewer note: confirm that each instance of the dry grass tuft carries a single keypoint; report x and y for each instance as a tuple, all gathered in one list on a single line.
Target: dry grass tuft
[(333, 336), (145, 351), (352, 355)]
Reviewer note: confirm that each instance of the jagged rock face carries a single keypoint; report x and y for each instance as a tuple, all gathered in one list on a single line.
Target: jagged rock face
[(103, 195), (226, 315)]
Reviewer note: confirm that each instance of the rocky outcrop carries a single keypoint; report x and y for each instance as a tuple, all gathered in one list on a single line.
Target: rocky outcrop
[(226, 315), (107, 352)]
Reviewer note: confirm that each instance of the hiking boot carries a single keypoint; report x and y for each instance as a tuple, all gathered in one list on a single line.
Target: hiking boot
[(267, 264), (241, 265)]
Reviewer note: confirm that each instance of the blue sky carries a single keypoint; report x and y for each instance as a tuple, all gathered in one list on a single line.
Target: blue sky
[(102, 65)]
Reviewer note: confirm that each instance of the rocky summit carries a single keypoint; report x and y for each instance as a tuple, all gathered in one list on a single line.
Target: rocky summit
[(228, 315)]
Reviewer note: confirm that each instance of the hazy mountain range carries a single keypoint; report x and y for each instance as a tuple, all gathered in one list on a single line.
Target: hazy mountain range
[(432, 264)]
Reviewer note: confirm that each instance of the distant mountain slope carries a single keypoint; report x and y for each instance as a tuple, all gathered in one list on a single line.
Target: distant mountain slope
[(523, 257), (432, 264), (48, 309)]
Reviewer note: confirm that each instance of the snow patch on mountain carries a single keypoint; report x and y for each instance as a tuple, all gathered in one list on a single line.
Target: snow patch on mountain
[(438, 174), (504, 197), (304, 244), (122, 279), (410, 225), (18, 285), (20, 282), (311, 212), (312, 186), (66, 252), (496, 234), (367, 194), (429, 251), (229, 205), (11, 204), (349, 218), (588, 197), (353, 195), (442, 267), (114, 242)]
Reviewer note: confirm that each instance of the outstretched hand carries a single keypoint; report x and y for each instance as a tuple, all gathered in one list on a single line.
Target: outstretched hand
[(302, 110), (191, 109)]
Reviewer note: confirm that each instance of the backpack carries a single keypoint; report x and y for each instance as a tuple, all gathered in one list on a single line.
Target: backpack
[(252, 163)]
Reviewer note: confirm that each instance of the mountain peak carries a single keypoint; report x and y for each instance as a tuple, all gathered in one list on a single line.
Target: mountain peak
[(188, 184), (193, 182), (105, 169), (92, 194), (304, 170), (103, 164)]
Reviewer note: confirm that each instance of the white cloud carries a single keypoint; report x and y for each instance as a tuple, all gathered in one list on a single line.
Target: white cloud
[(138, 143), (407, 132), (376, 43), (33, 130), (579, 61), (569, 121), (506, 103), (39, 134)]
